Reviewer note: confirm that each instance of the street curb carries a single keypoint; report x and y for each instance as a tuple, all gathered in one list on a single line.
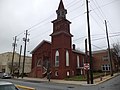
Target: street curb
[(25, 87), (100, 81), (70, 83), (107, 79), (28, 80)]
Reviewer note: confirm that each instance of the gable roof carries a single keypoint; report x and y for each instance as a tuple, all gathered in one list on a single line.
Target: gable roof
[(99, 51), (78, 51), (39, 45)]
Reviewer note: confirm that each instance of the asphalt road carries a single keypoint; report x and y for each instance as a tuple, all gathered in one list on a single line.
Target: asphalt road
[(112, 84)]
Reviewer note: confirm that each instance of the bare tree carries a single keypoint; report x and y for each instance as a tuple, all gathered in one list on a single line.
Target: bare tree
[(116, 52), (15, 66)]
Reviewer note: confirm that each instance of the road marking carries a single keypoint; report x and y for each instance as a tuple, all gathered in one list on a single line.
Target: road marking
[(25, 87)]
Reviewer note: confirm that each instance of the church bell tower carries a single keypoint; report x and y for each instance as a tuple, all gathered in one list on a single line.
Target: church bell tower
[(61, 12), (61, 43)]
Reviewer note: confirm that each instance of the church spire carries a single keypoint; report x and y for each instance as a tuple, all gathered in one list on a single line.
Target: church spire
[(61, 12), (61, 6)]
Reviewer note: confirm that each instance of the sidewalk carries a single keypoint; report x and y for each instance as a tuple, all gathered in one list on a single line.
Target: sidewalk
[(96, 81), (105, 78)]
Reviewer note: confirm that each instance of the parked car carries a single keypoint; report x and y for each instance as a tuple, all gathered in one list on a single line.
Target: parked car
[(5, 75), (7, 86)]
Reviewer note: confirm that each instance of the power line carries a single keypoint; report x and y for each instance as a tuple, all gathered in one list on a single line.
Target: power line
[(96, 46), (41, 35), (105, 37), (71, 19), (40, 22), (72, 11), (117, 34), (46, 20), (101, 48), (104, 5), (77, 16), (114, 33), (97, 23), (30, 28), (79, 38), (100, 10), (77, 8), (20, 34), (97, 13), (68, 7), (73, 3)]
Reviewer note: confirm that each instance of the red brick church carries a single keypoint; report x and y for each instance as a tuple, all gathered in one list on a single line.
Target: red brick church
[(59, 55)]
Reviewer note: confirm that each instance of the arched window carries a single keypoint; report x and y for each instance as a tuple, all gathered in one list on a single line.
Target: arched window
[(57, 58), (78, 61), (39, 63), (67, 58), (56, 73)]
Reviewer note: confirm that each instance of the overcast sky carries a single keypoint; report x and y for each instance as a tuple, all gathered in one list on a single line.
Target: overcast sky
[(16, 16)]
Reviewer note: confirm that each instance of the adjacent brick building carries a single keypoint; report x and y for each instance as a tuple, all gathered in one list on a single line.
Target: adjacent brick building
[(101, 61)]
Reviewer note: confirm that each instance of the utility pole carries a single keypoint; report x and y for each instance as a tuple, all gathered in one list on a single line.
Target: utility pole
[(25, 40), (86, 57), (109, 53), (14, 45), (19, 60), (89, 39)]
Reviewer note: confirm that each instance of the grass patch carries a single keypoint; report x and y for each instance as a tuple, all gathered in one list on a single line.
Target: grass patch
[(77, 78), (95, 75), (84, 77)]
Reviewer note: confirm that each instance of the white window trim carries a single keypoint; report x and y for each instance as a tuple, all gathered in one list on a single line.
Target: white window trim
[(67, 58), (38, 61), (78, 61), (105, 58), (106, 66), (68, 73), (56, 73), (57, 57)]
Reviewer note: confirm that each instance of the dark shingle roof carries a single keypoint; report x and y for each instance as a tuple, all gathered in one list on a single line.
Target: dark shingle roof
[(39, 45)]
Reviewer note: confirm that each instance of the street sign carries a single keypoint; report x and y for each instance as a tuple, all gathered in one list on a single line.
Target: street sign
[(86, 66)]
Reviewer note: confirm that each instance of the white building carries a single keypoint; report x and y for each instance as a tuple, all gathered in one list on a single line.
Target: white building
[(6, 60)]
